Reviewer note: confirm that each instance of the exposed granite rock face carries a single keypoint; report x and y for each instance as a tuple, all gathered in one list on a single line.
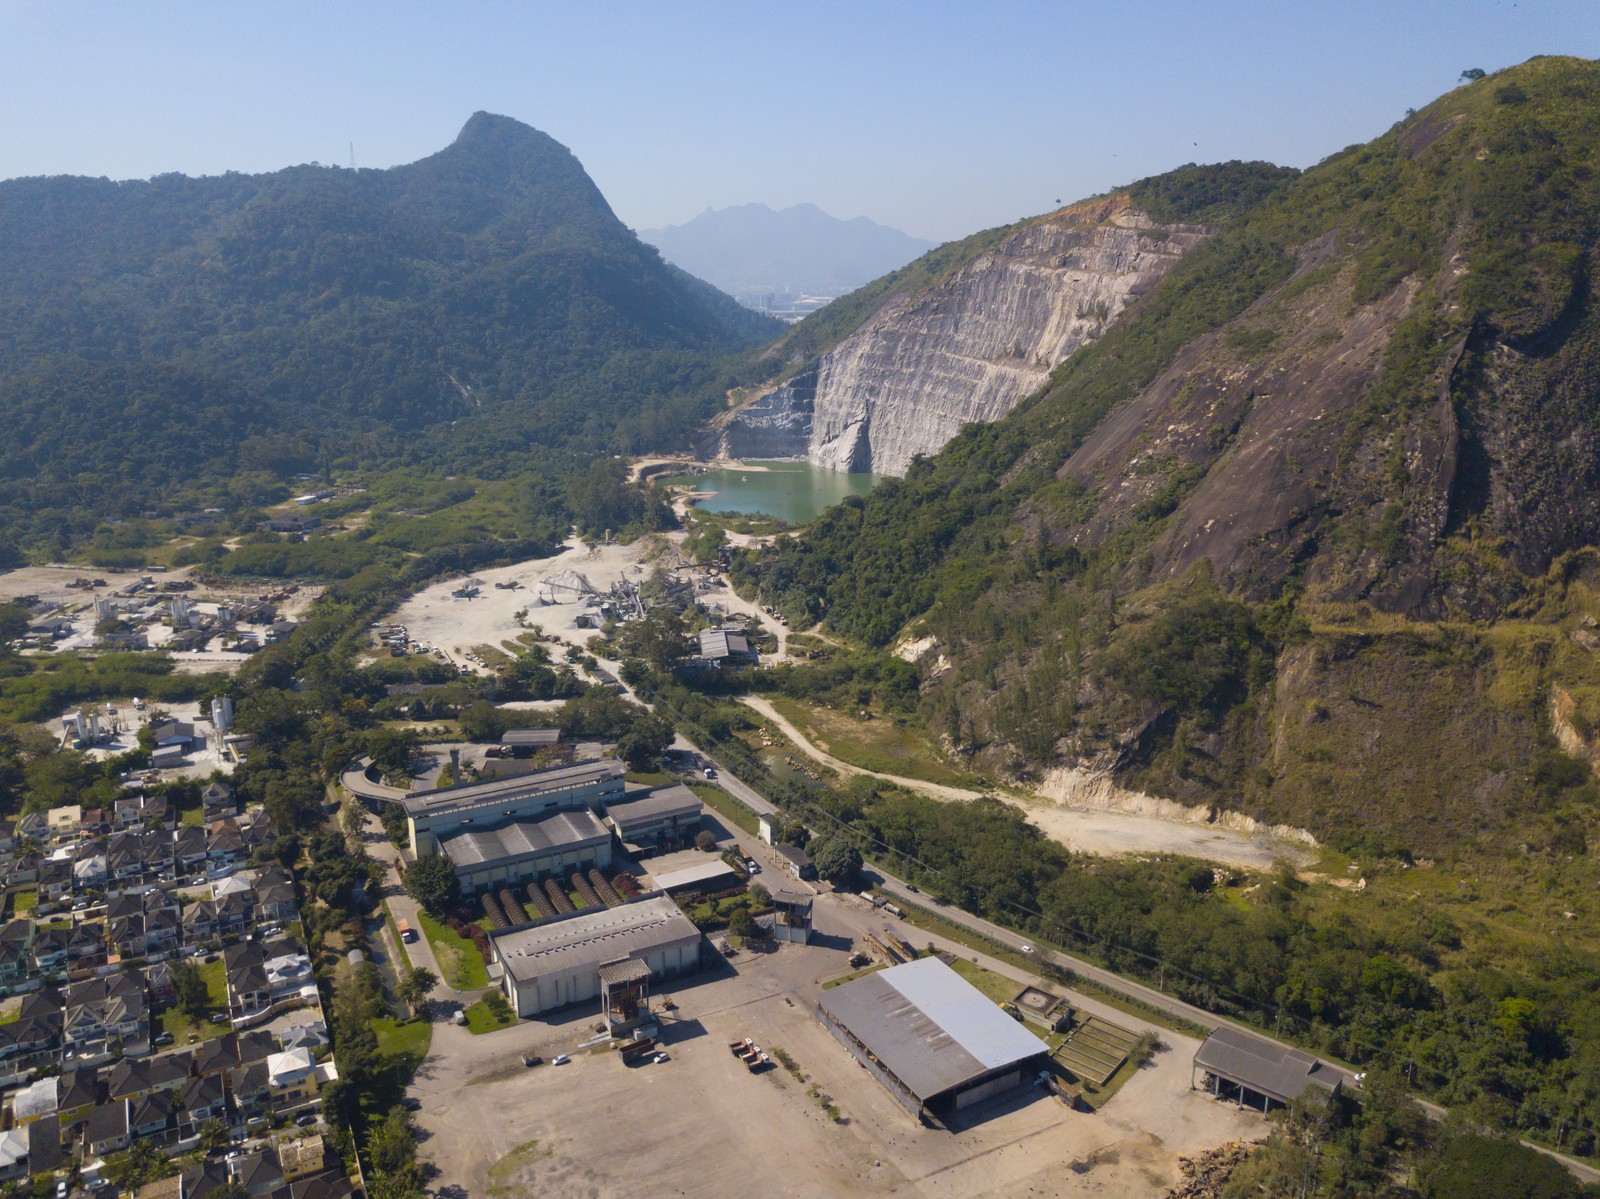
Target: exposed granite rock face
[(967, 349)]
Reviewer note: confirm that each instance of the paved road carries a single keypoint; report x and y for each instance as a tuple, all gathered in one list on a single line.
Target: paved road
[(403, 907), (1099, 974)]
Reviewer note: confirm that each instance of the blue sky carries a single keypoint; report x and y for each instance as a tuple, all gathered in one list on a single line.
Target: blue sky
[(937, 118)]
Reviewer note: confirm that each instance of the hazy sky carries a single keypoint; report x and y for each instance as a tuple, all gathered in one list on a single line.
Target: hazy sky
[(937, 118)]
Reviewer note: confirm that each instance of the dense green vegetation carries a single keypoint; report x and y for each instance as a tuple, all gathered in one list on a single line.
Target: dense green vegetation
[(177, 343), (1061, 593)]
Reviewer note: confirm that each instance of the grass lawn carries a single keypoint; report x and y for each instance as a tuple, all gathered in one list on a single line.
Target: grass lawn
[(23, 902), (997, 987), (726, 806), (401, 1048), (459, 962), (409, 1039), (175, 1021), (650, 778), (481, 1020), (878, 744), (192, 817)]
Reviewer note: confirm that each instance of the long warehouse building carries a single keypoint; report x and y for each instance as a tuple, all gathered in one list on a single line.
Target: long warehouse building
[(434, 815), (557, 963), (932, 1038)]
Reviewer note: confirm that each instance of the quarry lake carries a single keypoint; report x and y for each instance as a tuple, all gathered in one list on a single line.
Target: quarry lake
[(792, 491)]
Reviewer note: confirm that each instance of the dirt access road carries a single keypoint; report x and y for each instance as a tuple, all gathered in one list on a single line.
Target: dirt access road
[(1086, 830)]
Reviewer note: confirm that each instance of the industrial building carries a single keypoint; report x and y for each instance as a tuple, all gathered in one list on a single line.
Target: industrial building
[(523, 851), (1256, 1072), (935, 1041), (433, 815), (559, 962), (656, 822)]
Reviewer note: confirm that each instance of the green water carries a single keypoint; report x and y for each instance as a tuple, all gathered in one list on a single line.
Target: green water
[(793, 491)]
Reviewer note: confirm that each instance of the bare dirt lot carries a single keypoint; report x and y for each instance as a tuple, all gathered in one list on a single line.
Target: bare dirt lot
[(702, 1125), (564, 583)]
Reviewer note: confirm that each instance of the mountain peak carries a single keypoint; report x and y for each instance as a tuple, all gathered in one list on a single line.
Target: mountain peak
[(492, 127)]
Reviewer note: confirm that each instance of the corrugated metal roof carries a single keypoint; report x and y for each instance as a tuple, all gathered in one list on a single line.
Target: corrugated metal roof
[(561, 778), (688, 876), (1272, 1069), (591, 939), (676, 800), (474, 847), (930, 1027)]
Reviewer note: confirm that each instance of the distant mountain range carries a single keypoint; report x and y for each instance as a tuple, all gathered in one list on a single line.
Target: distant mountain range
[(751, 249)]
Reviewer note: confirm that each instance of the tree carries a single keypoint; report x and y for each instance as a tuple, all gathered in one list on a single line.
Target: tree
[(1471, 1166), (415, 986), (213, 1136), (193, 997), (13, 624), (741, 923), (705, 840), (432, 882), (482, 721), (641, 746), (391, 750), (392, 1154), (836, 858), (1473, 74)]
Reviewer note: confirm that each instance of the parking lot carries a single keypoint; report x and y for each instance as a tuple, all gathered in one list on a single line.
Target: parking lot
[(701, 1124)]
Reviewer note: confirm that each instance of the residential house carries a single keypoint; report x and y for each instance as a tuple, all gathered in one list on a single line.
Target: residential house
[(275, 903), (103, 1011), (40, 1098), (217, 802), (78, 1095), (45, 1155), (252, 1087), (302, 1158), (249, 990), (13, 1154), (124, 857), (89, 872), (199, 921), (55, 879), (258, 1173), (225, 848), (106, 1131), (203, 1099), (288, 968), (50, 949), (30, 1040), (189, 850), (293, 1078), (151, 1115), (133, 1078), (16, 952), (312, 1035)]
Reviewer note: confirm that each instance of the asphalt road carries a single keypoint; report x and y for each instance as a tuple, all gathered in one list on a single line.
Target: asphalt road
[(1099, 974)]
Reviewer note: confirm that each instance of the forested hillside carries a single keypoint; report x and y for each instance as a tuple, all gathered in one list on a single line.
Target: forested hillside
[(1311, 532), (458, 312)]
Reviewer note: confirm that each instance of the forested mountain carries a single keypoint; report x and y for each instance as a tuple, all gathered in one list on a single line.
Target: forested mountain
[(479, 302), (1312, 531), (751, 247)]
